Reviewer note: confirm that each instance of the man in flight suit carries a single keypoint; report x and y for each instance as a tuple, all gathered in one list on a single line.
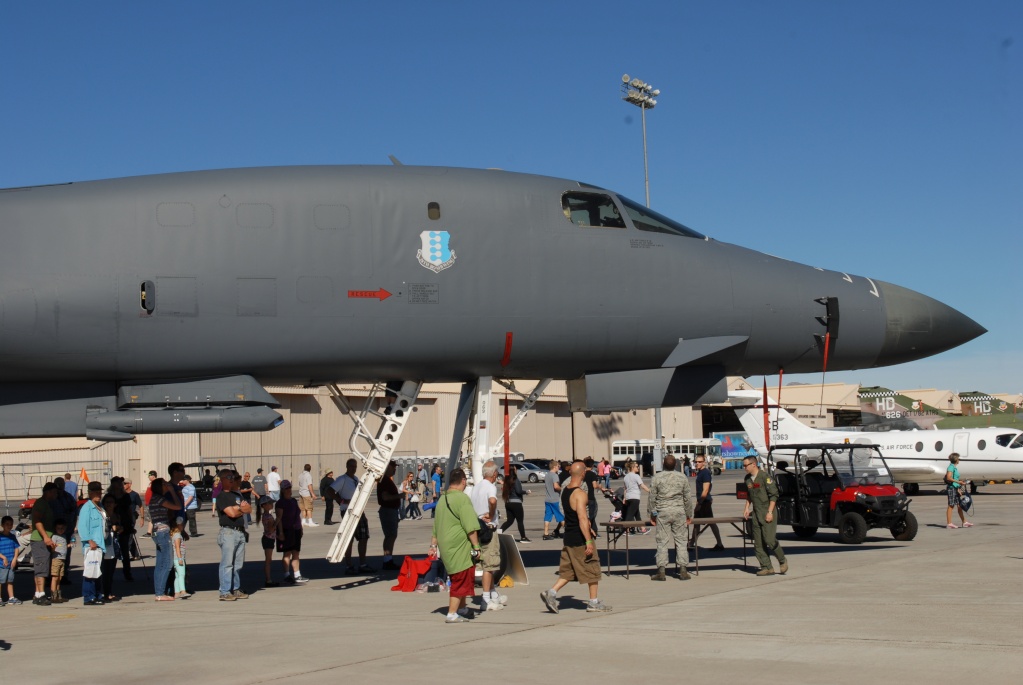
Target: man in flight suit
[(670, 508), (761, 498)]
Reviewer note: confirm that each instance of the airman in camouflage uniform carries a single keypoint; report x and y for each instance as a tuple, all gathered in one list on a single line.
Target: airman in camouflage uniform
[(670, 508), (761, 498)]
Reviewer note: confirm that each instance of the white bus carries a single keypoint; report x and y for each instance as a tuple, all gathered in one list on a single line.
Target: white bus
[(623, 450)]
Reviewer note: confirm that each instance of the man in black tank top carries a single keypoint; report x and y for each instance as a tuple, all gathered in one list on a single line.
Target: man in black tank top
[(579, 559)]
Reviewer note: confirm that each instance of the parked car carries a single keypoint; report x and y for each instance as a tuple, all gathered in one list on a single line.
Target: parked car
[(529, 472)]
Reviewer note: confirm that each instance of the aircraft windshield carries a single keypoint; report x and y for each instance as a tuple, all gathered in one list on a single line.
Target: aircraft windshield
[(1017, 443), (648, 220), (860, 466)]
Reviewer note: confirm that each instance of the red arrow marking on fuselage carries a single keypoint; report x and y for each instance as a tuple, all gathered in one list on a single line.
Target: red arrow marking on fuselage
[(506, 359), (369, 294)]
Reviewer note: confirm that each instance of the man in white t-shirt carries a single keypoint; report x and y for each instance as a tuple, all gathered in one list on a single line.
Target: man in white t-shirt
[(484, 501), (344, 490), (273, 484)]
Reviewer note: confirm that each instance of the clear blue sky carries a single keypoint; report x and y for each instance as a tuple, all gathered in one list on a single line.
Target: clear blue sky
[(879, 138)]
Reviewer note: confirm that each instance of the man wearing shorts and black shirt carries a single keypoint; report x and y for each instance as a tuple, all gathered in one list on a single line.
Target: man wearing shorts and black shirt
[(579, 560), (704, 500)]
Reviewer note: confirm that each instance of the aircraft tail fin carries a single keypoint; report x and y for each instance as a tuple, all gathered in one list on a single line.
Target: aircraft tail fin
[(785, 428)]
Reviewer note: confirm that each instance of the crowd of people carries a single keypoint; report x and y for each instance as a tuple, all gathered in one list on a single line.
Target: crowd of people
[(106, 525)]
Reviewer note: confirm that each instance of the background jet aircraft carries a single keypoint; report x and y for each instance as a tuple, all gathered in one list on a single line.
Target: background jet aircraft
[(914, 457), (163, 303)]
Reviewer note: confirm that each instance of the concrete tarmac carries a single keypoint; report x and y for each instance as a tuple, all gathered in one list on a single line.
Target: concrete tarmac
[(943, 608)]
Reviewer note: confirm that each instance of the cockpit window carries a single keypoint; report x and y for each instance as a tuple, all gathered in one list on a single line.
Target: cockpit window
[(648, 220), (1004, 439), (1017, 443), (591, 210)]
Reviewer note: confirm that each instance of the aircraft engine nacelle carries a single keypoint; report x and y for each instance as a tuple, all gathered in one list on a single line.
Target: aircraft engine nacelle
[(124, 424)]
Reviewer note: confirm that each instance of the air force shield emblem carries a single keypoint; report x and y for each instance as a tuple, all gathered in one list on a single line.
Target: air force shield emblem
[(435, 254)]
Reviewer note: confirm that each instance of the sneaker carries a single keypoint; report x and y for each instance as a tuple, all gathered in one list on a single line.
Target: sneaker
[(313, 524), (491, 606), (548, 537), (328, 523), (366, 568), (550, 600), (147, 535), (967, 524), (500, 599), (951, 525), (595, 606), (238, 594), (456, 619), (525, 540), (15, 601), (349, 570), (300, 579), (765, 572), (289, 579), (271, 583), (389, 565), (41, 601), (227, 598), (464, 611)]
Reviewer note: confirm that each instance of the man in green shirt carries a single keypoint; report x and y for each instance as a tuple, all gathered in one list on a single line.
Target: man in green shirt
[(761, 499), (455, 538)]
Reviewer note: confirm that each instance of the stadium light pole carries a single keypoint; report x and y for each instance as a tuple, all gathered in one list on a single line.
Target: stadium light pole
[(642, 94)]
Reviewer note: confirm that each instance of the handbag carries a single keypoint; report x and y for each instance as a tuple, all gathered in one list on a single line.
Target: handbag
[(415, 497), (93, 559)]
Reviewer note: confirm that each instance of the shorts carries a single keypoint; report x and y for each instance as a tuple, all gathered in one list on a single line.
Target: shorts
[(705, 510), (268, 543), (389, 522), (41, 556), (291, 542), (6, 575), (305, 504), (953, 496), (361, 530), (57, 567), (463, 583), (490, 555), (552, 511), (575, 565)]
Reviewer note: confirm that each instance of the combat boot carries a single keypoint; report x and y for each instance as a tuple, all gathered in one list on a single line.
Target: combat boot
[(683, 574), (765, 572), (659, 575), (783, 569)]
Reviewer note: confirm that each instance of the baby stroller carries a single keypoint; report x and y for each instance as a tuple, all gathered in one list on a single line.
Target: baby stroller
[(617, 499)]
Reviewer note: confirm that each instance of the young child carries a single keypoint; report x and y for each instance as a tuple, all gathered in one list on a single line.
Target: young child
[(178, 544), (59, 561), (9, 548), (269, 537)]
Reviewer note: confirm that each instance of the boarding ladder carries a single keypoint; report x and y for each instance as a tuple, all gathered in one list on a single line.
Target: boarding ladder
[(373, 453)]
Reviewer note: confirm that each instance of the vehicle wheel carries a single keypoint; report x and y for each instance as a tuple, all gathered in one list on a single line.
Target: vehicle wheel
[(905, 530), (911, 488), (533, 478), (852, 528), (717, 471), (804, 531)]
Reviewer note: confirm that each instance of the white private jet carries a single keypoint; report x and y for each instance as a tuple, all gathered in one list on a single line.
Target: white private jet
[(914, 456)]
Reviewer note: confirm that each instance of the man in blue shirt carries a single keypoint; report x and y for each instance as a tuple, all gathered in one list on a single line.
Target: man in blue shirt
[(191, 504), (437, 479), (704, 499)]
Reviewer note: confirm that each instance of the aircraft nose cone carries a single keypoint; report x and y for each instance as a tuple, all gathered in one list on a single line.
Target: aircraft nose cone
[(919, 326)]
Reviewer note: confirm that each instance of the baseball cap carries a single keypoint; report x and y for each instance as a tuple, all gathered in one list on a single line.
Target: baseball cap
[(285, 484), (273, 468), (153, 474), (266, 499), (259, 470)]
